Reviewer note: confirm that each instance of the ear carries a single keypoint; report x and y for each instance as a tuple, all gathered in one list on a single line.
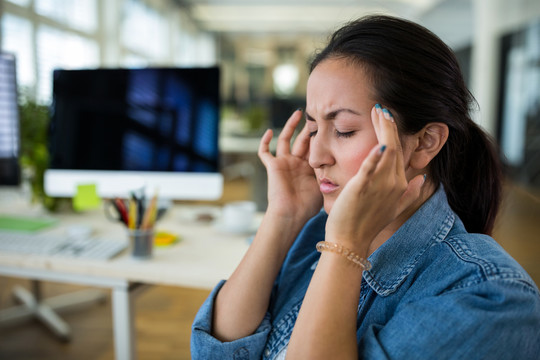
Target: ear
[(429, 141)]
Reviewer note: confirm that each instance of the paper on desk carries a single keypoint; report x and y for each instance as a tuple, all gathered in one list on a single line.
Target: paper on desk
[(22, 223)]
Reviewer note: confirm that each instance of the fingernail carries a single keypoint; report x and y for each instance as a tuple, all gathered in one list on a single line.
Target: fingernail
[(388, 115), (425, 175), (299, 109), (382, 149), (378, 108)]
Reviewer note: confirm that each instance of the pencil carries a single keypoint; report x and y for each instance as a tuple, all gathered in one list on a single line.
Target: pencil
[(132, 214), (150, 213)]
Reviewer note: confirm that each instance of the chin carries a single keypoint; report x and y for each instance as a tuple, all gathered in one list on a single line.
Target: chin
[(327, 205)]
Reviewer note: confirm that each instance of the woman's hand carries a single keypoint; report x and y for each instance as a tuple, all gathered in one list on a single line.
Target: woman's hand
[(293, 197), (377, 195), (292, 187)]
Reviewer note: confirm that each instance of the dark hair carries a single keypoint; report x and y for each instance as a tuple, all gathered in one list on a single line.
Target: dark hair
[(416, 75)]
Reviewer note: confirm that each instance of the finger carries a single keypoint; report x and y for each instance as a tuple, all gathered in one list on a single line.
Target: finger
[(412, 193), (375, 120), (264, 147), (383, 127), (301, 144), (284, 139), (384, 133), (390, 136), (400, 168), (368, 167)]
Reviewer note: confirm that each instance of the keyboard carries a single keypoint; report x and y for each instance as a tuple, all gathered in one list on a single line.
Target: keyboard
[(91, 248)]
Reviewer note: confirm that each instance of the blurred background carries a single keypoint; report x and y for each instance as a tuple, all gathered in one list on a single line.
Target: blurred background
[(263, 48)]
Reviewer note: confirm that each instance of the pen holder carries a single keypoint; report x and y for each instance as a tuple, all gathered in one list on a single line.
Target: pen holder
[(141, 243)]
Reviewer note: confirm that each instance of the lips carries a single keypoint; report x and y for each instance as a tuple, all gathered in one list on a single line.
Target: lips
[(326, 186)]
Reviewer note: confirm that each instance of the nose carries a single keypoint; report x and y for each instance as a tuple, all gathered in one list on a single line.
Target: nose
[(320, 152)]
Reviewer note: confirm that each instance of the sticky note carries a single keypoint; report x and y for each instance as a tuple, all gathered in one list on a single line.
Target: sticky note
[(86, 197), (163, 238)]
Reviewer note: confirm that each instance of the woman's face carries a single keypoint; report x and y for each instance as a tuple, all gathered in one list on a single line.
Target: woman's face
[(338, 117)]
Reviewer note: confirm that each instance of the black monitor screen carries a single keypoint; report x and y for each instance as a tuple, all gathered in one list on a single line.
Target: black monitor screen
[(9, 122), (152, 119)]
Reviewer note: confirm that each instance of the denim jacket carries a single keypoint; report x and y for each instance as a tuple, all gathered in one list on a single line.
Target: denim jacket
[(434, 292)]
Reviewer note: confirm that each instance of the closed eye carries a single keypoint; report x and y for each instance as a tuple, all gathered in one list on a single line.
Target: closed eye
[(344, 134), (339, 134)]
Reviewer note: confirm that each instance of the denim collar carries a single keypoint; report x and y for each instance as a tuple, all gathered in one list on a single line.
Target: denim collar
[(393, 261)]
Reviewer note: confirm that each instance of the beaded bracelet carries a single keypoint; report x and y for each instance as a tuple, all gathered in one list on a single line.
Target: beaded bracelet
[(348, 254)]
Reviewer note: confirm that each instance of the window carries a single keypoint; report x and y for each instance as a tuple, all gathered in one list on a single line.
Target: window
[(17, 39), (20, 2), (80, 14), (144, 31), (60, 49), (49, 34)]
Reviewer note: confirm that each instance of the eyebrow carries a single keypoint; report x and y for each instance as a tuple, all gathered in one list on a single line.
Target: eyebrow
[(332, 114)]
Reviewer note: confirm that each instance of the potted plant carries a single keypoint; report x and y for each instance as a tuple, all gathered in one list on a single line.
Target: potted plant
[(34, 124)]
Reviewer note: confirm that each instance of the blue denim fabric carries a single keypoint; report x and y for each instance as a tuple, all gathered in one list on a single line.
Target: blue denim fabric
[(434, 292)]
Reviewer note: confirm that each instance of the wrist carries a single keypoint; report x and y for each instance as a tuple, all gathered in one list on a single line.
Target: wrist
[(352, 257), (359, 240), (278, 231), (291, 218), (361, 248)]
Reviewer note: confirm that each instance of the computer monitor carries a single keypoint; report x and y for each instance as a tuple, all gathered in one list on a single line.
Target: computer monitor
[(125, 129), (281, 109), (10, 174)]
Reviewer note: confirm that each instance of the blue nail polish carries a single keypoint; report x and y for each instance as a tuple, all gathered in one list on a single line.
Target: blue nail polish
[(388, 115), (378, 106), (382, 149)]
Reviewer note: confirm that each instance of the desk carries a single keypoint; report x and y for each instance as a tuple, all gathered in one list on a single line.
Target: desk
[(204, 256)]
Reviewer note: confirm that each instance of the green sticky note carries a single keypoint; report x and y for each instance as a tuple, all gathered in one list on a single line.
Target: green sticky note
[(22, 223), (86, 197)]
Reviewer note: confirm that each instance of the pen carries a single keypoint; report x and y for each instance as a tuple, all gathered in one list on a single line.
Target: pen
[(122, 210)]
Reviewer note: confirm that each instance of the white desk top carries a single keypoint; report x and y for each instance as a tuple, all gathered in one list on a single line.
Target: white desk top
[(202, 257)]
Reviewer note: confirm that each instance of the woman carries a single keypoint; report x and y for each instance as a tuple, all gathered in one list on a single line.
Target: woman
[(410, 188)]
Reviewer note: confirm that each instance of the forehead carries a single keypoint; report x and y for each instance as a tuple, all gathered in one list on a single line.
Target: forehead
[(337, 83)]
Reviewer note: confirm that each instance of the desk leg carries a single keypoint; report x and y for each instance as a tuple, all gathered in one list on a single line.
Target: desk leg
[(123, 324)]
